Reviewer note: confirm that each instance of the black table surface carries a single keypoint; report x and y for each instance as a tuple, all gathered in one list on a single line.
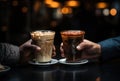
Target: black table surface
[(109, 71)]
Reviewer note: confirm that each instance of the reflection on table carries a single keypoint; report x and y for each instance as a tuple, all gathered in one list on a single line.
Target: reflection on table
[(60, 72)]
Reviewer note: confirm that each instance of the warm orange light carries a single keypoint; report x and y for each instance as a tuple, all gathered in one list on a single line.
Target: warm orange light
[(102, 5), (36, 6), (98, 79), (48, 1), (72, 3), (4, 28), (54, 4), (66, 10), (113, 11), (15, 3), (24, 9)]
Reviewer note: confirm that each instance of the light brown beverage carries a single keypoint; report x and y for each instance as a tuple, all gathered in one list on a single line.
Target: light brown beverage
[(71, 38), (44, 39)]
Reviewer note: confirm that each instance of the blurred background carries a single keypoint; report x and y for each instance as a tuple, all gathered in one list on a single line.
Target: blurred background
[(100, 19)]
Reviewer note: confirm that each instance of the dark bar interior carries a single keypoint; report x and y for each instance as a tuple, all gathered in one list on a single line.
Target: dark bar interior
[(98, 18)]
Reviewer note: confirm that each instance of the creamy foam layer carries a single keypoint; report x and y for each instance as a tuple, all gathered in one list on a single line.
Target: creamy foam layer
[(42, 34), (72, 32)]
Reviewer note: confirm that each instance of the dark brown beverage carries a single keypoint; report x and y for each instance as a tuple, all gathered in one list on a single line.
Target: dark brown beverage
[(71, 38)]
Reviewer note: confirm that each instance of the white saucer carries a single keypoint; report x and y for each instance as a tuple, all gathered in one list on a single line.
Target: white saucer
[(63, 61), (6, 68), (53, 61)]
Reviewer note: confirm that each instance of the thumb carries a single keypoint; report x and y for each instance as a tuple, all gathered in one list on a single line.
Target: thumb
[(80, 46), (83, 45)]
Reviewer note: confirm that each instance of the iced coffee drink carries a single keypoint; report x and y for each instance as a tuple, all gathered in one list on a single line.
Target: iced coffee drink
[(44, 39), (71, 38)]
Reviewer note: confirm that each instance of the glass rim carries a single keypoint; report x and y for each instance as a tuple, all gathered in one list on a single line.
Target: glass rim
[(51, 31), (43, 30), (79, 31)]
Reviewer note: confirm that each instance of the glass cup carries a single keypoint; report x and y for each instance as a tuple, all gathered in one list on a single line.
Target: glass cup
[(44, 39), (71, 38)]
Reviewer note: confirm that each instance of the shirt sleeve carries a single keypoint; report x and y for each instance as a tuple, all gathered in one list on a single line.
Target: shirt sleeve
[(9, 54), (110, 48)]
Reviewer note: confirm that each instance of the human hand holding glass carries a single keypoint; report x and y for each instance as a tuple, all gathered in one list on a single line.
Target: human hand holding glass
[(71, 38), (28, 49), (89, 49)]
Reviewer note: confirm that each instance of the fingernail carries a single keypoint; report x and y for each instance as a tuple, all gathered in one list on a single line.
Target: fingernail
[(78, 47), (38, 48)]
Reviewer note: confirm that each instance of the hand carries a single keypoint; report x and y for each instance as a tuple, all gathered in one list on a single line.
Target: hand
[(28, 49), (89, 49)]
